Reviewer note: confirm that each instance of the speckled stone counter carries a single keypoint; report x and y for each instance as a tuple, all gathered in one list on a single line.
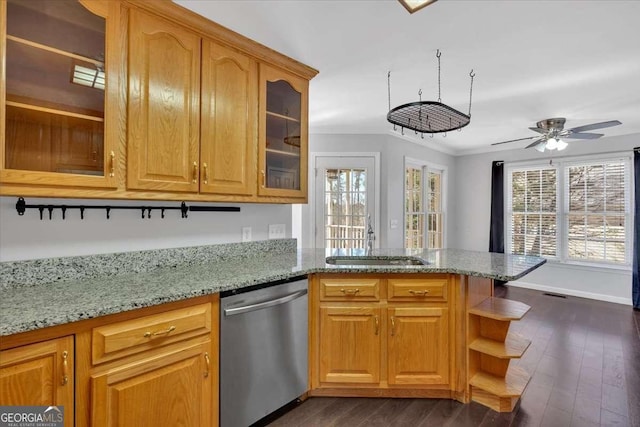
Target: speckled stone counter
[(66, 292)]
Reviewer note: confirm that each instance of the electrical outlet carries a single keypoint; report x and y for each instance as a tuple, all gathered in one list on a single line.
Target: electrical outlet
[(276, 231), (246, 234), (394, 224)]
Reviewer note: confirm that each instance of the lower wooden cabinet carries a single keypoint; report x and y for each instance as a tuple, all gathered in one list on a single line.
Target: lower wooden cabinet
[(418, 345), (399, 341), (156, 366), (171, 389), (350, 343), (40, 374)]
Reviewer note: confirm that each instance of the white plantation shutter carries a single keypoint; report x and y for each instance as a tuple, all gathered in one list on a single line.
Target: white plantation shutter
[(597, 210), (587, 222), (532, 211)]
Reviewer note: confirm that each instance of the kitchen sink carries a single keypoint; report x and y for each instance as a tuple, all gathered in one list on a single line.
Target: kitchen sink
[(372, 260)]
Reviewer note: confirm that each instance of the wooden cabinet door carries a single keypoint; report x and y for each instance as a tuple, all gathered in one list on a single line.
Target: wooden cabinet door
[(229, 118), (59, 94), (418, 346), (164, 105), (40, 374), (169, 389), (350, 345), (283, 133)]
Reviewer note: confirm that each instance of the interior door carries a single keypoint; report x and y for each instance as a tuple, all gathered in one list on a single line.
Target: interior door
[(345, 200)]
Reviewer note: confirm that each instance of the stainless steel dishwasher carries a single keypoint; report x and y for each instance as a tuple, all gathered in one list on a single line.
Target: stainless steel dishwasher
[(263, 350)]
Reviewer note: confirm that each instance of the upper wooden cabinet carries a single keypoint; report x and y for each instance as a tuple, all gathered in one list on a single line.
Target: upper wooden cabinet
[(229, 116), (56, 87), (164, 105), (283, 133), (146, 100)]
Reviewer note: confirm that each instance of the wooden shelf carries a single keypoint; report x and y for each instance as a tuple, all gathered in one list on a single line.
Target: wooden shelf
[(55, 50), (500, 309), (283, 153), (282, 116), (510, 386), (513, 347), (54, 111)]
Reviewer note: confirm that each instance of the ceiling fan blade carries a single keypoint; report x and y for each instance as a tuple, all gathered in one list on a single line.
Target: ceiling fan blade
[(583, 135), (593, 126), (539, 130), (513, 140), (536, 142)]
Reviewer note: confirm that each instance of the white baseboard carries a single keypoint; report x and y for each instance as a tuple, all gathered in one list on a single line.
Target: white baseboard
[(572, 292)]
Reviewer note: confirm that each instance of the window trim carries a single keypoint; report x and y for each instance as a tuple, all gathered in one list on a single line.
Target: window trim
[(426, 167), (560, 164)]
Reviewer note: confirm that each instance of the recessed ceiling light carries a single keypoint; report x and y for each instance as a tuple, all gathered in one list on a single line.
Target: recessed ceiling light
[(415, 5)]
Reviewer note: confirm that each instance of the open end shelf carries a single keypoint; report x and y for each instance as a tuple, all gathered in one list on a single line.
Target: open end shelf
[(513, 347), (500, 309)]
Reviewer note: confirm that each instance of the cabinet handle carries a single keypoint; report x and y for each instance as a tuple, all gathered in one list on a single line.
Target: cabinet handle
[(65, 367), (112, 164), (377, 324), (195, 173), (155, 334), (206, 173), (263, 178), (350, 291), (419, 293), (393, 325), (208, 362)]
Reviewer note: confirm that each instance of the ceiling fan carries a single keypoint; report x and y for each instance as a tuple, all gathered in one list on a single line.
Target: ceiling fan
[(552, 130)]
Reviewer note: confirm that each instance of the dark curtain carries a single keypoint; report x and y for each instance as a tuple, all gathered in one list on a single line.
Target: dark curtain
[(636, 232), (496, 229)]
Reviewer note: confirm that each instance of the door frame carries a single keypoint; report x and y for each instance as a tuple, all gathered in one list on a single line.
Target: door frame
[(311, 227)]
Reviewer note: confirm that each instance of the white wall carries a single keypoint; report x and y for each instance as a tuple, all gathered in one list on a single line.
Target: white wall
[(392, 151), (472, 216), (26, 237)]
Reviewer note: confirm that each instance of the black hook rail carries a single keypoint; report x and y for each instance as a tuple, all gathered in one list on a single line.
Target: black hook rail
[(22, 206)]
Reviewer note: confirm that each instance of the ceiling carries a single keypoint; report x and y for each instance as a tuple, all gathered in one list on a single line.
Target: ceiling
[(533, 60)]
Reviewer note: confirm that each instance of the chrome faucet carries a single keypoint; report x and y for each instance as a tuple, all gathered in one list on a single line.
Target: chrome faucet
[(370, 235)]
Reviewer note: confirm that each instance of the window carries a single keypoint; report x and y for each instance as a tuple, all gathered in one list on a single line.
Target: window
[(571, 211), (424, 208), (345, 208)]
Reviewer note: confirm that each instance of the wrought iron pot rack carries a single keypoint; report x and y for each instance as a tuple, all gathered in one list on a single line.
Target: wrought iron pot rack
[(22, 206)]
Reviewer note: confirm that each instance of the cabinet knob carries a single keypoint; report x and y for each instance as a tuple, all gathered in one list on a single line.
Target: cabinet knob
[(393, 325), (206, 173), (350, 291), (263, 178), (195, 173), (421, 293), (377, 324)]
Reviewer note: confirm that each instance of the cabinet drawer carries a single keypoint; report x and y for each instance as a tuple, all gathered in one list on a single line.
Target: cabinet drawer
[(133, 336), (349, 289), (432, 289)]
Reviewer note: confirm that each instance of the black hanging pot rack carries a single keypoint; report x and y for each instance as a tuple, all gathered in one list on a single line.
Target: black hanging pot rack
[(428, 116)]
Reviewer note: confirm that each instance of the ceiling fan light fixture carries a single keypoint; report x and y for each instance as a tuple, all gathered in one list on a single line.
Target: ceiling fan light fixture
[(415, 5), (541, 147), (552, 144), (561, 145)]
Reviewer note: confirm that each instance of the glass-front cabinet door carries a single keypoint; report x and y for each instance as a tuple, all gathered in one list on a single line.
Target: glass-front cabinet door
[(283, 133), (53, 111)]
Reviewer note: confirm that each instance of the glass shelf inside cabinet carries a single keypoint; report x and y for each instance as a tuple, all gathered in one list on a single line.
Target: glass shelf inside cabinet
[(283, 136), (55, 84)]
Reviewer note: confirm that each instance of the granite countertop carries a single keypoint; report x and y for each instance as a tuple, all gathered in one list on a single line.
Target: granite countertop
[(29, 306)]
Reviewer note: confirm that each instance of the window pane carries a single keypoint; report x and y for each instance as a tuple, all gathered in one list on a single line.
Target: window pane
[(597, 191)]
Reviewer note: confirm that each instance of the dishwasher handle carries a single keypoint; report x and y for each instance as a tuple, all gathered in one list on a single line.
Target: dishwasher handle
[(253, 307)]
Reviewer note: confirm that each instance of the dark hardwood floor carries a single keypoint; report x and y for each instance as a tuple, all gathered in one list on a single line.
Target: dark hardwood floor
[(585, 364)]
